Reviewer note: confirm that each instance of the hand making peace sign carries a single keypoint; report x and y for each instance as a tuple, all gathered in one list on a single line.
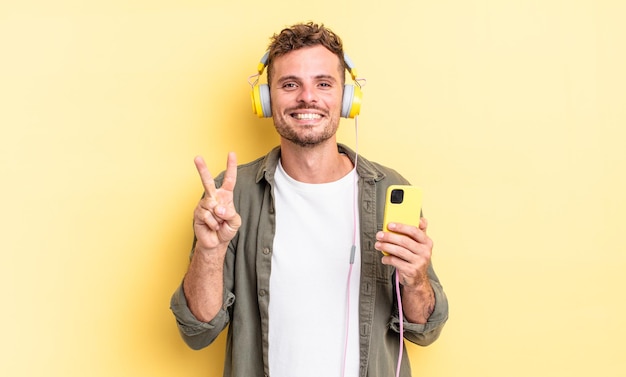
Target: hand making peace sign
[(216, 220)]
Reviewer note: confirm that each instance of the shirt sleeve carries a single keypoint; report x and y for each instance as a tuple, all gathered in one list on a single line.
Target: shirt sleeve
[(195, 333)]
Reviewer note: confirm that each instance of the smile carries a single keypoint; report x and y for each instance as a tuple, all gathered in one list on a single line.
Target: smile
[(306, 116)]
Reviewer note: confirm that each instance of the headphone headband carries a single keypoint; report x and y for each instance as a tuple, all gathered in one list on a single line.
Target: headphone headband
[(263, 62)]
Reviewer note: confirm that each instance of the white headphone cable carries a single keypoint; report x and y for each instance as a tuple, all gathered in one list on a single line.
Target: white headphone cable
[(355, 216)]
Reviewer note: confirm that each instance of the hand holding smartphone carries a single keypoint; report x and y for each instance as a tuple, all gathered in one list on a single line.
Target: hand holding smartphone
[(403, 204)]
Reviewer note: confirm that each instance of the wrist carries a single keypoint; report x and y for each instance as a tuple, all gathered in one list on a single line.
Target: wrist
[(419, 288), (210, 254)]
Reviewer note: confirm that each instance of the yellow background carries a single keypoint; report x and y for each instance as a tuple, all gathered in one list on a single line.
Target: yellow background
[(509, 114)]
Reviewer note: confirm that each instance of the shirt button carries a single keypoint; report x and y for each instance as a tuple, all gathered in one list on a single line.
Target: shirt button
[(266, 250), (262, 292)]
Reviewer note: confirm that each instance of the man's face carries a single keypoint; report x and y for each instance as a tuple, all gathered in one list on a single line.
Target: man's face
[(306, 93)]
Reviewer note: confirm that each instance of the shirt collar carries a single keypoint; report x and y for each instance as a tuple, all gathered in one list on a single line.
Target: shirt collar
[(365, 168)]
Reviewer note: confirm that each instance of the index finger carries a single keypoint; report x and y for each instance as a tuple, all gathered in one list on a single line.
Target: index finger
[(205, 176)]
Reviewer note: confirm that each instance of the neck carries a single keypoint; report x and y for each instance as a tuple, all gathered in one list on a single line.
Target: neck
[(317, 164)]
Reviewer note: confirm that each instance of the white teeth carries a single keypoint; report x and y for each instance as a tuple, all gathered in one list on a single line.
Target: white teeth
[(307, 116)]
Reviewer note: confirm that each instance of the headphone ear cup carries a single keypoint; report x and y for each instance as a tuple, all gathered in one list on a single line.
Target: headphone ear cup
[(351, 104), (261, 105)]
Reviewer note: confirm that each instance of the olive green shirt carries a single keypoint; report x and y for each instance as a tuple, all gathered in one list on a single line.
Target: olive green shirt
[(247, 280)]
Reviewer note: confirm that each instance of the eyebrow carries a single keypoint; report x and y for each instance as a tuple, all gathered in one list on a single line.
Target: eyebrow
[(297, 78)]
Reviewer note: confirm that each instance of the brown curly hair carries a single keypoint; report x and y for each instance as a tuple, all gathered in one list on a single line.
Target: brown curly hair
[(304, 35)]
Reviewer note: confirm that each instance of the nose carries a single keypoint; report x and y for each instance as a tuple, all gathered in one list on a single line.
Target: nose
[(307, 94)]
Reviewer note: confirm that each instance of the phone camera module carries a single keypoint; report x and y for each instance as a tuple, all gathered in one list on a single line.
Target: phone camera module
[(397, 196)]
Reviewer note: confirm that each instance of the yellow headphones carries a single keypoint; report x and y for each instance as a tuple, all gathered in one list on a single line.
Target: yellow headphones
[(352, 95)]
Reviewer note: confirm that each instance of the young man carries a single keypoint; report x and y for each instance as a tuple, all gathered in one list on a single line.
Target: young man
[(274, 241)]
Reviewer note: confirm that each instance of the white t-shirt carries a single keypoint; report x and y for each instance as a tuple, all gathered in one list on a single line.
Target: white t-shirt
[(315, 228)]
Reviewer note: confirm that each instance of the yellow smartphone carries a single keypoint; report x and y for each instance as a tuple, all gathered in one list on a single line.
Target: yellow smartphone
[(403, 204)]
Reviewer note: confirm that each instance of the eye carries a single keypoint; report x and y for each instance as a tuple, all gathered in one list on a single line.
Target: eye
[(289, 85)]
